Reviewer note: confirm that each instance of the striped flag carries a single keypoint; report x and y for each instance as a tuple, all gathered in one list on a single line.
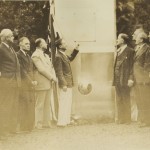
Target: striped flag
[(52, 49)]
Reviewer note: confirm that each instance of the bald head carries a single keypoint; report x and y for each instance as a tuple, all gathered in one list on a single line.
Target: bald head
[(6, 35), (41, 44)]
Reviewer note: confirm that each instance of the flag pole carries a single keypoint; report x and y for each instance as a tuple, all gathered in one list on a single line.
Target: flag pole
[(54, 98), (51, 29)]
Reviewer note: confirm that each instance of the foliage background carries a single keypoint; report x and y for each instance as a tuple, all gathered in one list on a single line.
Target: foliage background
[(130, 13), (24, 18), (30, 18)]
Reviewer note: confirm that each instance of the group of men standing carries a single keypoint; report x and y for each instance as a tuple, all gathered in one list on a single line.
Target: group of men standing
[(26, 82), (26, 85), (132, 71)]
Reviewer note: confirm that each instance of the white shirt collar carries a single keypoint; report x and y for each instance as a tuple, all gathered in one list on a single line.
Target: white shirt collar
[(6, 45), (122, 48), (40, 50), (140, 46), (62, 52), (23, 52)]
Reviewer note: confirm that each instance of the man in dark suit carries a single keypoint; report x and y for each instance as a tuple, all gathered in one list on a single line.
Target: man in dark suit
[(141, 69), (122, 75), (9, 83), (65, 81), (27, 100)]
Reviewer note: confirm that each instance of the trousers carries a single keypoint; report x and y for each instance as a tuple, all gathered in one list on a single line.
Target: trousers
[(123, 103), (43, 112), (65, 105), (142, 97), (9, 101)]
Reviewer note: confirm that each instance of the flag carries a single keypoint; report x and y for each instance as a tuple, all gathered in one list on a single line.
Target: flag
[(52, 49)]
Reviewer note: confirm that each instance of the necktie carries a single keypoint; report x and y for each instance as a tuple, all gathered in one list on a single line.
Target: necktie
[(28, 57), (11, 49), (137, 49), (118, 51)]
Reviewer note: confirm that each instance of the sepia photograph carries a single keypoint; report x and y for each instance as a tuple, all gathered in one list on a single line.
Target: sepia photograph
[(74, 74)]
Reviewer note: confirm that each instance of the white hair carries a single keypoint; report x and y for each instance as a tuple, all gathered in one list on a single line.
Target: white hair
[(5, 33), (142, 35)]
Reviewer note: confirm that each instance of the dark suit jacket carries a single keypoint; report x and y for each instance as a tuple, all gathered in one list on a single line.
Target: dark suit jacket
[(9, 68), (142, 65), (26, 69), (63, 68), (125, 71)]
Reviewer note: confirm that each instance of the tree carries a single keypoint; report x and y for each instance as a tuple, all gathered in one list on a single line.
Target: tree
[(142, 11), (26, 17), (124, 16), (130, 13)]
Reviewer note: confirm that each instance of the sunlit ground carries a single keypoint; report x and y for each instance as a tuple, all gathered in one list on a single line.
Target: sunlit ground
[(88, 136)]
